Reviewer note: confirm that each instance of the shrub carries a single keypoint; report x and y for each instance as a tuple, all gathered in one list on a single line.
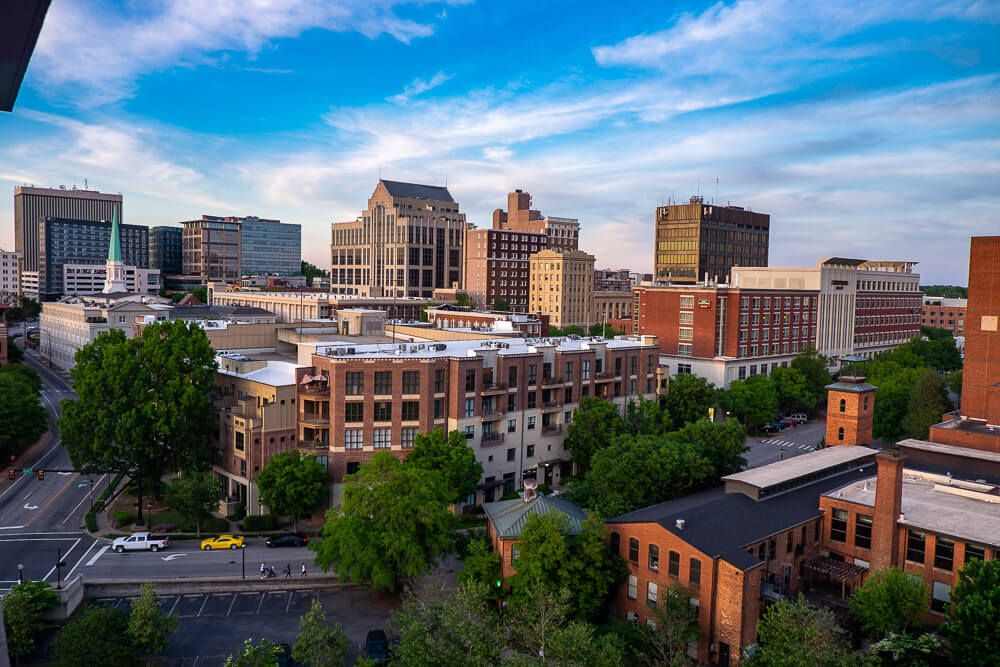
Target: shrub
[(90, 519), (254, 522), (121, 518)]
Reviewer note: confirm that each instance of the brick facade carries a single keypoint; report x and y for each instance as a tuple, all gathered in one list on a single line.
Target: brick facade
[(981, 374), (850, 408)]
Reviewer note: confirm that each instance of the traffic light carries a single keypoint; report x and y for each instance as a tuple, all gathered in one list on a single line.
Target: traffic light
[(41, 474), (11, 473)]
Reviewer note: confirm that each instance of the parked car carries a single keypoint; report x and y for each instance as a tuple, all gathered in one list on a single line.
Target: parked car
[(789, 421), (139, 542), (769, 428), (222, 542), (800, 416), (377, 646), (287, 540)]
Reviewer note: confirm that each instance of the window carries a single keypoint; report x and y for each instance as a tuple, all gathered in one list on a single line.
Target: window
[(470, 380), (633, 587), (470, 407), (383, 382), (973, 552), (863, 531), (354, 384), (651, 595), (512, 376), (944, 553), (438, 408), (838, 526), (411, 382), (407, 435), (816, 531), (531, 451), (633, 550), (687, 301), (354, 412), (772, 549), (915, 546), (532, 400), (654, 557), (585, 369), (674, 564), (840, 433), (511, 425), (511, 453), (382, 438), (470, 432), (515, 553), (411, 411), (684, 349), (240, 446), (383, 411), (532, 374), (686, 333), (353, 438), (616, 543), (439, 382), (531, 423), (687, 317), (511, 402), (695, 575), (940, 596), (843, 405)]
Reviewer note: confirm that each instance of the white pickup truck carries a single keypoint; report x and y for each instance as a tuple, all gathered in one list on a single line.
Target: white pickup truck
[(139, 542)]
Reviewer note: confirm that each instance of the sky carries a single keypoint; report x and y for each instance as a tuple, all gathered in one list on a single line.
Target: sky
[(865, 129)]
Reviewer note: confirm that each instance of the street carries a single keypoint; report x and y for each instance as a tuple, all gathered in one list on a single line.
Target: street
[(792, 441)]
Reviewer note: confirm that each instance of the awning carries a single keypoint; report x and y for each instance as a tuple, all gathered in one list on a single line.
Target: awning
[(835, 569)]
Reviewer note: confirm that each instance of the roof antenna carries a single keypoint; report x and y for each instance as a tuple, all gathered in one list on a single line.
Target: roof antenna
[(85, 185), (714, 196)]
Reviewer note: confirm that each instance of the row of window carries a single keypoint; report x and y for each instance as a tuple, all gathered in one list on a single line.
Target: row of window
[(766, 301), (354, 438), (354, 412), (653, 559)]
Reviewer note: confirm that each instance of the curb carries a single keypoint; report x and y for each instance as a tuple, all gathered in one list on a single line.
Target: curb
[(130, 588)]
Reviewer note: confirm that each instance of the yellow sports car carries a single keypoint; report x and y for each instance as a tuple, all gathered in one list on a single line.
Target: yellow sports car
[(222, 542)]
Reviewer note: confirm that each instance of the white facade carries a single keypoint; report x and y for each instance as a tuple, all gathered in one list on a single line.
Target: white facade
[(720, 371), (29, 284), (10, 276), (79, 279)]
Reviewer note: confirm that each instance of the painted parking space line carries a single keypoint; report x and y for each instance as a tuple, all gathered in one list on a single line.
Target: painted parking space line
[(188, 606), (275, 602), (216, 604), (245, 603)]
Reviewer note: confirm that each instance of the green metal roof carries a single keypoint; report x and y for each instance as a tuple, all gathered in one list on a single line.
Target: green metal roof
[(115, 249), (855, 387), (509, 516)]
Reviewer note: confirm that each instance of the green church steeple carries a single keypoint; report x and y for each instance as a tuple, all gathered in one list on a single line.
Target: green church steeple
[(115, 249)]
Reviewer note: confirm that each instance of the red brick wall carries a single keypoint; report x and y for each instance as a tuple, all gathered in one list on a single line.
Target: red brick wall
[(980, 393), (659, 311), (985, 442), (938, 317), (856, 420)]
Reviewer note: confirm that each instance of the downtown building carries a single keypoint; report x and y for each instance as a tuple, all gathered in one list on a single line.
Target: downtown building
[(409, 241), (270, 247), (944, 313), (512, 398), (10, 277), (312, 305), (166, 249), (561, 287)]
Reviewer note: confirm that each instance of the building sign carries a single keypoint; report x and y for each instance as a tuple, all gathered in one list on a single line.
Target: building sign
[(704, 303)]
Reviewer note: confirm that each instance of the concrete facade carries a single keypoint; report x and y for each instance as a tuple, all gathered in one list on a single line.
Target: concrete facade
[(561, 286), (79, 279), (10, 276), (310, 305)]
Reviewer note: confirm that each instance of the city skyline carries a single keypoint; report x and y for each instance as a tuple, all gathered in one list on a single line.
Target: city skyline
[(862, 133)]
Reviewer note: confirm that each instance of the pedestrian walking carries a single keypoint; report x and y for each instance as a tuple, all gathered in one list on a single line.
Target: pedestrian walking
[(263, 570), (288, 570), (303, 569)]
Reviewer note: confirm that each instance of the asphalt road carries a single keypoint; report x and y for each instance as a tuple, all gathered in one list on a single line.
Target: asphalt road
[(792, 441)]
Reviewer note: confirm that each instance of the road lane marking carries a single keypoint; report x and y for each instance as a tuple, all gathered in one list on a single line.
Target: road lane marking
[(100, 552), (85, 496), (288, 604), (174, 606), (30, 507), (171, 557), (36, 464), (68, 552), (203, 603), (64, 473), (80, 560), (10, 527), (49, 502), (231, 603), (261, 603)]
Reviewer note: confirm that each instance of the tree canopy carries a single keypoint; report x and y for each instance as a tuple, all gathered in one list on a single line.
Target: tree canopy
[(23, 608), (21, 413), (293, 484), (452, 457), (753, 401), (928, 403), (149, 627), (262, 654), (103, 629), (392, 524), (792, 388), (888, 601), (194, 497), (813, 366), (595, 423), (481, 565), (688, 399), (143, 406), (973, 613), (792, 634), (676, 626), (319, 644)]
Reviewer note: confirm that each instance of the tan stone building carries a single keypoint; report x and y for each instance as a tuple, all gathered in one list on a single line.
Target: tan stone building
[(562, 287), (409, 240), (614, 307)]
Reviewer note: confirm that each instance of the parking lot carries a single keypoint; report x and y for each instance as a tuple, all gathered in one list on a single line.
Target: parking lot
[(791, 441), (225, 604)]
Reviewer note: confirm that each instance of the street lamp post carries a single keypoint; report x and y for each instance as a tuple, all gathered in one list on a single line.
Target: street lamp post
[(20, 573), (60, 563)]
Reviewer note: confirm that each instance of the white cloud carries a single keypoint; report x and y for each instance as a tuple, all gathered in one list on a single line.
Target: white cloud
[(497, 153), (96, 55), (420, 86)]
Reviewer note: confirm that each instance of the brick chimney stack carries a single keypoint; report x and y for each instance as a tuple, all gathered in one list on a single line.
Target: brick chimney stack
[(888, 505)]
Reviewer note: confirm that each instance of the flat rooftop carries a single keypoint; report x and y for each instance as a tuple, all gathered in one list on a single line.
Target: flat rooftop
[(935, 506), (970, 426), (471, 348), (276, 373), (950, 450), (800, 466)]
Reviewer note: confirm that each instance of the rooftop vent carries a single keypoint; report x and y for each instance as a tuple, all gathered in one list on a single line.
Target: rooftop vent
[(679, 524)]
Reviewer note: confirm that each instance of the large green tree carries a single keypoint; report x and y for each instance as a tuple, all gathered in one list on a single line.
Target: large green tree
[(101, 633), (481, 565), (262, 654), (311, 272), (813, 366), (149, 627), (889, 601), (143, 406), (194, 497), (722, 444), (793, 390), (973, 614), (688, 399), (928, 404), (792, 634), (293, 484), (595, 422), (676, 626), (319, 644), (646, 417), (23, 609), (392, 525), (22, 418), (753, 401), (452, 457), (892, 400)]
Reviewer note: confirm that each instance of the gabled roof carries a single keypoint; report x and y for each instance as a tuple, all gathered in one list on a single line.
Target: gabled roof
[(417, 191), (509, 516)]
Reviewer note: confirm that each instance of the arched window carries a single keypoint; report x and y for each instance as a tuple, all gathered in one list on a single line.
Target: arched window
[(840, 433), (843, 405)]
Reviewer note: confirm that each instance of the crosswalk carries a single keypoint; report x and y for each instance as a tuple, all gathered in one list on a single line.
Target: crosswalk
[(789, 445)]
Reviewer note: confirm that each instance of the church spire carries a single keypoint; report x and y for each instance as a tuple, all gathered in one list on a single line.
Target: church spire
[(114, 278), (115, 249)]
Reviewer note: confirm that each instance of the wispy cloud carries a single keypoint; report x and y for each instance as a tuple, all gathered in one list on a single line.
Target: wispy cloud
[(96, 55), (419, 87)]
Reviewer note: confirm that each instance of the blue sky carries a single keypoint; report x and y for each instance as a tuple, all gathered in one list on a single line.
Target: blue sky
[(866, 129)]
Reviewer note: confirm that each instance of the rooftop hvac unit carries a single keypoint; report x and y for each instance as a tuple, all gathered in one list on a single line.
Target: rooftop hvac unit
[(352, 350), (340, 351)]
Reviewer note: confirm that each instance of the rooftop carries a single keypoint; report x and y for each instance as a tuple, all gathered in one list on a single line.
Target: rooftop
[(509, 516), (951, 450), (274, 373), (417, 191), (471, 348), (968, 425), (798, 467)]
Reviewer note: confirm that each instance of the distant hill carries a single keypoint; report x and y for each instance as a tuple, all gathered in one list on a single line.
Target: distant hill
[(947, 291)]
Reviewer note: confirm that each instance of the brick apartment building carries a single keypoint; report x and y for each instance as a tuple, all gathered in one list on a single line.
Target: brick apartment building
[(613, 307), (613, 280), (561, 285), (511, 397), (943, 313)]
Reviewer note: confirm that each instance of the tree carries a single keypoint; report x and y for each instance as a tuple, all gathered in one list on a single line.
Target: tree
[(578, 643), (888, 601), (595, 422), (318, 644), (954, 381), (902, 650), (452, 457), (722, 444), (311, 272), (646, 417), (603, 330), (293, 484), (194, 496), (688, 399), (892, 401), (143, 406), (149, 628), (793, 390), (23, 609), (23, 372), (792, 634), (928, 404), (442, 626), (263, 654), (463, 300), (103, 629), (666, 643), (21, 413), (949, 291), (392, 525), (501, 305), (813, 366), (754, 401), (972, 614), (481, 565)]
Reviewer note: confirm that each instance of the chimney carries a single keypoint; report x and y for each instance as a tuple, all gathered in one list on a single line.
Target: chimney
[(530, 490), (888, 508)]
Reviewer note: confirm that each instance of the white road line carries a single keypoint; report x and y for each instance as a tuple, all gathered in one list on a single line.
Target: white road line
[(228, 611), (100, 552), (68, 552), (803, 447), (261, 603), (174, 605), (37, 463), (10, 527), (53, 532), (83, 500), (203, 603), (288, 605), (6, 538), (70, 573)]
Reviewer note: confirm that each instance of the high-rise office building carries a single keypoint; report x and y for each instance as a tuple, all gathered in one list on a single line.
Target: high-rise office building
[(562, 287), (409, 241), (211, 249), (33, 205), (562, 233), (697, 239), (270, 246), (166, 249)]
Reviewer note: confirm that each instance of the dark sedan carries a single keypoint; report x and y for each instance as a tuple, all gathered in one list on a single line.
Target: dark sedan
[(287, 540)]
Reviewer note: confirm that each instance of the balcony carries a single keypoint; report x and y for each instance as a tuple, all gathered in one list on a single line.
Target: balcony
[(605, 377), (315, 389), (494, 388), (551, 405), (491, 415), (550, 381), (552, 429), (315, 419), (491, 438)]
